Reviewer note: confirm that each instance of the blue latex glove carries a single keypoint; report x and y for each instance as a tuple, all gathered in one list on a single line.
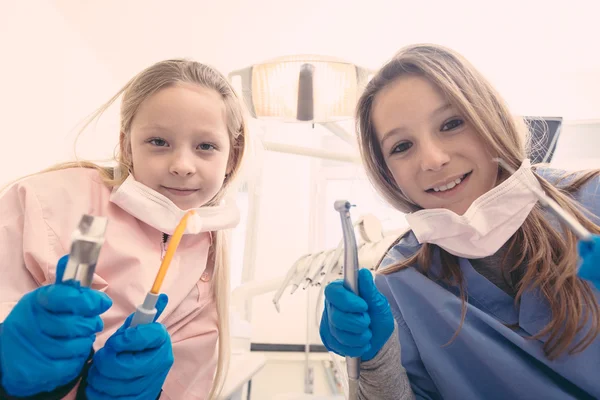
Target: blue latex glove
[(590, 256), (356, 326), (134, 362), (48, 336)]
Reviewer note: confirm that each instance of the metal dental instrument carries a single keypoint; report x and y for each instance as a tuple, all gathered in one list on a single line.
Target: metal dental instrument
[(350, 282), (304, 270), (317, 266), (288, 278), (333, 262), (87, 240), (579, 230), (320, 271), (326, 276)]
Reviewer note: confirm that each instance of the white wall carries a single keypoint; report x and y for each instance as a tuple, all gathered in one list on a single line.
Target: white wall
[(284, 231), (50, 80), (578, 145), (546, 91)]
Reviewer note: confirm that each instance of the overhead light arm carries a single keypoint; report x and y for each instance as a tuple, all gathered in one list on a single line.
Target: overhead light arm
[(342, 133)]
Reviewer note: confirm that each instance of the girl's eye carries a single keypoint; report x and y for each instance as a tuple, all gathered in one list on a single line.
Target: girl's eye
[(452, 124), (207, 147), (401, 147), (157, 142)]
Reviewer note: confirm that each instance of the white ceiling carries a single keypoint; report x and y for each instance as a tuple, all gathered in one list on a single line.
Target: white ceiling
[(61, 59), (545, 60), (506, 36)]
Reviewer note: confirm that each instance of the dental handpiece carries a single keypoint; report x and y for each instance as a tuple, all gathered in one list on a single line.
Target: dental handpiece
[(350, 282), (86, 243)]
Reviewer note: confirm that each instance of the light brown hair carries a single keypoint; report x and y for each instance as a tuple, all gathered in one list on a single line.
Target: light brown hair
[(550, 256)]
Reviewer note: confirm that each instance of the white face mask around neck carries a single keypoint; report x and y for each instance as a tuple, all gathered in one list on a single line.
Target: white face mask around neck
[(161, 213), (488, 223)]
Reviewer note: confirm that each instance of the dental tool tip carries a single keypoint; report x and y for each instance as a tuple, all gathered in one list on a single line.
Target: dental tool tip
[(342, 205)]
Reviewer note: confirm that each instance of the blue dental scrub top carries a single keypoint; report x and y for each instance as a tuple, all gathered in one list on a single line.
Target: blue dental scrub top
[(488, 359)]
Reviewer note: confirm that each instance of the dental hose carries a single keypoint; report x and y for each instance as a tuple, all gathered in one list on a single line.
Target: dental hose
[(145, 312), (350, 282)]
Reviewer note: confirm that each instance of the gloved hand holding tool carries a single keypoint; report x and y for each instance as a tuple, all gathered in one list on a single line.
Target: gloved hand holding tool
[(47, 338), (137, 358)]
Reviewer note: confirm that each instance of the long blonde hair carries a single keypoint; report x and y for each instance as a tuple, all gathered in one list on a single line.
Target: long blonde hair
[(551, 256), (154, 78)]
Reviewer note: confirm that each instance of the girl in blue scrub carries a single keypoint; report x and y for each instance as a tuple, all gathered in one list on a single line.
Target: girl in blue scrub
[(480, 297)]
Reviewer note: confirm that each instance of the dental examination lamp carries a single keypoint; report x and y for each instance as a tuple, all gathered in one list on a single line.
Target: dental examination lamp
[(311, 89)]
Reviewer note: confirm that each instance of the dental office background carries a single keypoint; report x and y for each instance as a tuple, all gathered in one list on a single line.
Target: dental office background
[(62, 59)]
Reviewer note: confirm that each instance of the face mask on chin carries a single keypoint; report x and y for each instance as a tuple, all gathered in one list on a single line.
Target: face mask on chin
[(488, 223), (161, 213)]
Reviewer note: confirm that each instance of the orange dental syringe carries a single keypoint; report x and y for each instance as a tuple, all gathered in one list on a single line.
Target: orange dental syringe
[(146, 312)]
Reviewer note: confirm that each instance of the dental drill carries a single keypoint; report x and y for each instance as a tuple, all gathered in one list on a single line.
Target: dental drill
[(350, 282), (370, 230), (86, 243)]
